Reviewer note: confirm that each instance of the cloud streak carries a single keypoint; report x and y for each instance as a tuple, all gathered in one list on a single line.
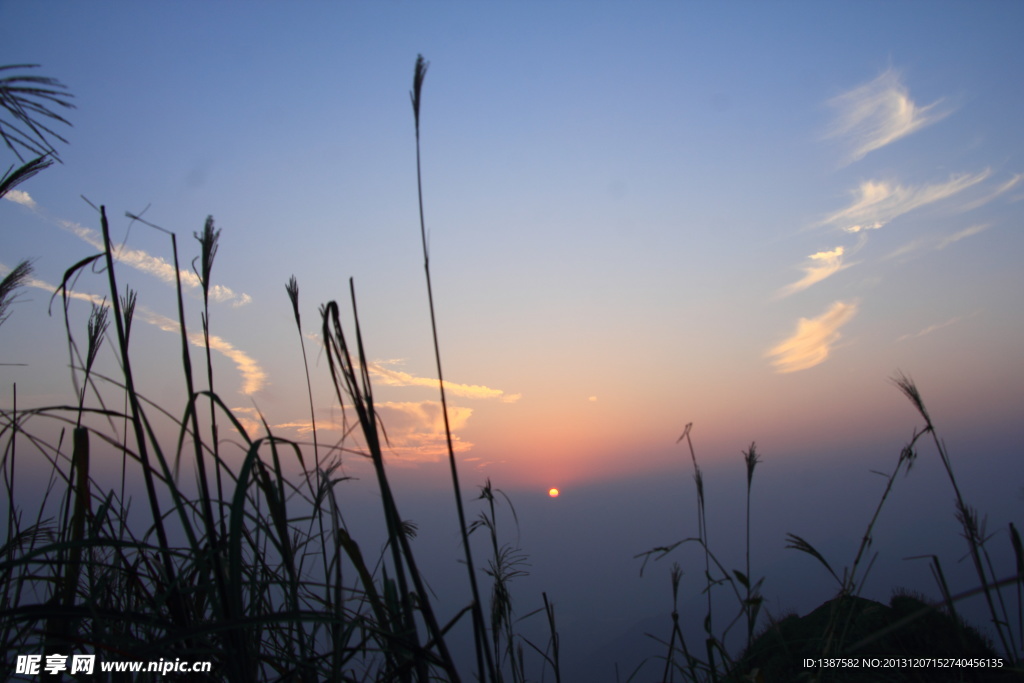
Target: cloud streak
[(135, 258), (818, 267), (415, 429), (20, 197), (813, 340), (878, 113), (253, 375), (397, 378), (154, 265), (1005, 187), (933, 328), (937, 244), (877, 203), (957, 236)]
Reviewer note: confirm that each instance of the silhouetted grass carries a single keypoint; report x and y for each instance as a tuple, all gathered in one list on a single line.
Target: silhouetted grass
[(260, 573), (248, 569), (841, 632)]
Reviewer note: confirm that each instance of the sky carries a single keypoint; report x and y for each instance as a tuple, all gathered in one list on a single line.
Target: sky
[(743, 216)]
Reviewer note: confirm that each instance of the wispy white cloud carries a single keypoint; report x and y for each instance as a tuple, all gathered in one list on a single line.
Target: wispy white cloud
[(253, 375), (1005, 187), (416, 429), (878, 113), (908, 248), (957, 236), (876, 203), (154, 265), (397, 378), (249, 418), (135, 258), (933, 328), (301, 426), (818, 267), (47, 287), (813, 340), (20, 197), (934, 243)]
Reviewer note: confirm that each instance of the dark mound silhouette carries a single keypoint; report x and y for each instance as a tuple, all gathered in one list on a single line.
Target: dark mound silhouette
[(857, 629)]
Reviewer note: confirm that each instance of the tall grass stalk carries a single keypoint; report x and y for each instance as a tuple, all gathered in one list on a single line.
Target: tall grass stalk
[(128, 310), (973, 532), (752, 603), (136, 419), (851, 583), (11, 457), (553, 659), (676, 636), (316, 486), (506, 563), (485, 664), (80, 506), (292, 288), (217, 597), (353, 380), (702, 535), (718, 660), (840, 619), (208, 241)]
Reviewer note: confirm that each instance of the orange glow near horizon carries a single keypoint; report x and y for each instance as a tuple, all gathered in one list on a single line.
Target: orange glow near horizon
[(553, 493)]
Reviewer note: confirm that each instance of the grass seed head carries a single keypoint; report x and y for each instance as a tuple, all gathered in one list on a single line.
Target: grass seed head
[(751, 458), (293, 294), (208, 240), (909, 389), (417, 87), (128, 311), (18, 276), (98, 323)]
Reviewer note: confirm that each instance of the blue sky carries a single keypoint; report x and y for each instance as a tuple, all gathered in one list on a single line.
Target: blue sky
[(741, 215)]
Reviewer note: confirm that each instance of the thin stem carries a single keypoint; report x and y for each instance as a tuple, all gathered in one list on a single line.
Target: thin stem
[(208, 240), (140, 435), (751, 459), (478, 616), (293, 295), (965, 514)]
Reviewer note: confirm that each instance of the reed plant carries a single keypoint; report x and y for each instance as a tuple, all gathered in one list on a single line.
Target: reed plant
[(257, 571), (1002, 593), (244, 568)]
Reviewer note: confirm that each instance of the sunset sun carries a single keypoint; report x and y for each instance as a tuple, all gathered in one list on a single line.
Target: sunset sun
[(553, 493)]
